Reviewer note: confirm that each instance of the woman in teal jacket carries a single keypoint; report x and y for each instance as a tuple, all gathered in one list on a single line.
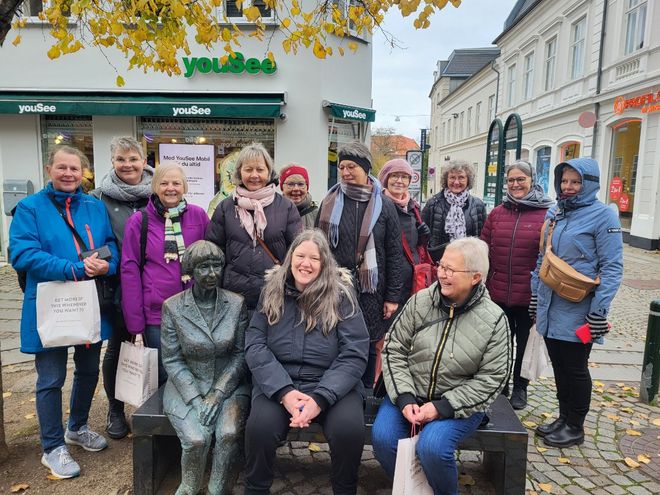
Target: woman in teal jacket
[(44, 247), (587, 236)]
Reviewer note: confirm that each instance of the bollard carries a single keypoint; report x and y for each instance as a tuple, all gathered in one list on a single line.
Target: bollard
[(648, 390)]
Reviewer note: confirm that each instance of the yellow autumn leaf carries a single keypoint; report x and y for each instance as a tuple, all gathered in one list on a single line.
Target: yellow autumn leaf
[(599, 384), (626, 410), (286, 22), (17, 40), (29, 416), (116, 28), (466, 480), (546, 415), (341, 52), (643, 458), (613, 417), (19, 487), (178, 9), (314, 447), (564, 460), (54, 53), (633, 433), (631, 462), (529, 424), (120, 81), (271, 57), (319, 50), (226, 34), (352, 45), (251, 13), (546, 487), (54, 478), (656, 422), (633, 422), (541, 449), (6, 395), (621, 384)]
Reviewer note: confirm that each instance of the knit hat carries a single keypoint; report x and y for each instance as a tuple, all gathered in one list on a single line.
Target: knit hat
[(398, 165), (360, 160), (293, 170)]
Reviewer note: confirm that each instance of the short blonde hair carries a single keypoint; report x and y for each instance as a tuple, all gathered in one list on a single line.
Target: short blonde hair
[(69, 150), (162, 170), (249, 152)]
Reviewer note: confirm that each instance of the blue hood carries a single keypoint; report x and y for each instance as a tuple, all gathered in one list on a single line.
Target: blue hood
[(590, 173)]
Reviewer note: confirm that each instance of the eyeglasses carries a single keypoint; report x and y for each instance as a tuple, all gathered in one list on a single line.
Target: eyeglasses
[(516, 180), (401, 177), (293, 185), (131, 160), (351, 166), (450, 271)]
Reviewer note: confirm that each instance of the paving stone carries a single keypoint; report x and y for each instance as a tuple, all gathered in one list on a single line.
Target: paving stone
[(620, 480), (576, 490), (598, 463), (615, 490), (559, 478), (568, 471), (300, 452), (585, 483), (611, 456), (639, 490), (543, 467), (585, 471)]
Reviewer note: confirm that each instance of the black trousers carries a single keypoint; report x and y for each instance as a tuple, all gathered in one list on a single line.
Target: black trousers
[(570, 364), (519, 325), (268, 425), (111, 359)]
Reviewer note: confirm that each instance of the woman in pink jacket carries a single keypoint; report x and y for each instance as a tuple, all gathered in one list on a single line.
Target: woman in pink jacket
[(172, 226), (512, 232)]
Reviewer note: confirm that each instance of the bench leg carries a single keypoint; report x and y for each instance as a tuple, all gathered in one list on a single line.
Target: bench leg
[(508, 470), (143, 465)]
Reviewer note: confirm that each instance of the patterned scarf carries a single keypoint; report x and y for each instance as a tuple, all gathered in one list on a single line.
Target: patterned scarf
[(329, 217), (455, 221), (174, 243), (254, 201)]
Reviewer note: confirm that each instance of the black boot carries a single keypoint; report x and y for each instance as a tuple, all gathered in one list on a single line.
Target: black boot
[(518, 398), (117, 427), (546, 429), (565, 436)]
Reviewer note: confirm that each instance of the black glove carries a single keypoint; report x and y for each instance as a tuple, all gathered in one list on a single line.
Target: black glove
[(423, 233), (531, 309), (597, 325)]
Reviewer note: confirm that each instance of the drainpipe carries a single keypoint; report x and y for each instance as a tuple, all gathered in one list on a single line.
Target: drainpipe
[(599, 77), (497, 89)]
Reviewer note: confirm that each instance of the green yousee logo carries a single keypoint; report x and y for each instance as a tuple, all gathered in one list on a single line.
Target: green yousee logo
[(234, 65)]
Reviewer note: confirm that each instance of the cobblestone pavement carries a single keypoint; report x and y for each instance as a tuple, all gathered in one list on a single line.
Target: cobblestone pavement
[(621, 452)]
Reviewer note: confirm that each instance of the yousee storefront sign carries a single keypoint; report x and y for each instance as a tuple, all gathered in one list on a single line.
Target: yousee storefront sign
[(649, 103), (233, 65)]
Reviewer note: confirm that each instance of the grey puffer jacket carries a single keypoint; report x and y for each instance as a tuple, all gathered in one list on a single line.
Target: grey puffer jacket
[(458, 358), (435, 212)]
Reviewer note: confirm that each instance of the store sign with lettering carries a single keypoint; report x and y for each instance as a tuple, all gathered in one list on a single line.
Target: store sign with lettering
[(37, 108), (624, 202), (233, 65), (649, 103), (616, 188)]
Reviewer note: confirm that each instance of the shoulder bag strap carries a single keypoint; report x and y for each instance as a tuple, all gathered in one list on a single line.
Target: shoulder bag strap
[(406, 249), (549, 224), (76, 235), (144, 227), (268, 252)]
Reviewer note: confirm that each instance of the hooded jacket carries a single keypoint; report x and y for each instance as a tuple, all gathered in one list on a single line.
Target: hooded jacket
[(587, 236), (43, 246)]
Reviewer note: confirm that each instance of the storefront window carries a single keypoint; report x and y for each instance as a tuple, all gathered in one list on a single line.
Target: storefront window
[(73, 131), (623, 173), (543, 166), (228, 136), (568, 151), (339, 132)]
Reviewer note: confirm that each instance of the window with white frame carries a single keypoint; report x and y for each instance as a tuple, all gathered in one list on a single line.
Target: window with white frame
[(491, 109), (448, 132), (550, 64), (511, 85), (460, 126), (468, 133), (635, 24), (233, 11), (529, 76), (577, 48), (343, 6), (444, 130), (455, 130), (477, 118)]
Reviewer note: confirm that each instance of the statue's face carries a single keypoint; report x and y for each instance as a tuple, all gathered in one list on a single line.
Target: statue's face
[(208, 273)]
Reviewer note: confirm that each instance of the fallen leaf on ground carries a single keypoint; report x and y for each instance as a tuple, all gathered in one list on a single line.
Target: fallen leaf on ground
[(633, 422), (19, 487), (593, 365), (564, 460), (466, 480), (546, 415), (546, 487), (643, 458), (6, 395), (626, 410), (53, 478), (631, 462), (656, 422), (633, 433), (613, 417), (529, 424), (541, 449), (314, 447), (29, 416), (599, 384), (620, 384), (33, 399)]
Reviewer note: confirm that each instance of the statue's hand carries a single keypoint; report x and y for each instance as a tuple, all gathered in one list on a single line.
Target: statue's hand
[(210, 406)]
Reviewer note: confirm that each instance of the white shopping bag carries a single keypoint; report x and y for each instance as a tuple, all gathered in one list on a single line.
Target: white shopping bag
[(68, 313), (536, 359), (409, 477), (137, 374)]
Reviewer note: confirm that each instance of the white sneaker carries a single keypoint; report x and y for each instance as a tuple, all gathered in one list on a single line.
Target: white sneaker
[(85, 438), (60, 463)]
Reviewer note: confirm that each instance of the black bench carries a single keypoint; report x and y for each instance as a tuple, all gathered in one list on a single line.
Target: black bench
[(503, 441)]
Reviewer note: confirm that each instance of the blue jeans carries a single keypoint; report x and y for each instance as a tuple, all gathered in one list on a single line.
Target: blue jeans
[(51, 373), (436, 446), (152, 339)]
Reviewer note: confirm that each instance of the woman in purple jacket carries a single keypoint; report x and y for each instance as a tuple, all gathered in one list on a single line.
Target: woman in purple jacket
[(172, 225), (512, 233)]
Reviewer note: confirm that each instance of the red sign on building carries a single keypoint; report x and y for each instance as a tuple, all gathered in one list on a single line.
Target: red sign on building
[(616, 188), (624, 202)]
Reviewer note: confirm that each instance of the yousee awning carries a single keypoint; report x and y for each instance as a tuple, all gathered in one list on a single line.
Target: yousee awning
[(232, 105), (348, 112)]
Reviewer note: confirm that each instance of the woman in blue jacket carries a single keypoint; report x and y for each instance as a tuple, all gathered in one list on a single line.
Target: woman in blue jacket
[(587, 235), (44, 247)]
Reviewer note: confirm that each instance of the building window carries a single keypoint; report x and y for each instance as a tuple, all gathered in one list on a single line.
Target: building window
[(469, 122), (70, 130), (550, 60), (543, 167), (624, 159), (529, 76), (477, 118), (578, 35), (511, 85), (455, 130), (491, 109), (448, 132), (460, 126), (635, 23), (232, 10), (444, 130), (343, 6)]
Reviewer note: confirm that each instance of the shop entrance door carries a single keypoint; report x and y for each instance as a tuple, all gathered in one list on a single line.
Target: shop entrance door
[(623, 168)]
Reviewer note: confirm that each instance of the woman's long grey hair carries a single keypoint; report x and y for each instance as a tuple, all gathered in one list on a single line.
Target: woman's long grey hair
[(320, 302)]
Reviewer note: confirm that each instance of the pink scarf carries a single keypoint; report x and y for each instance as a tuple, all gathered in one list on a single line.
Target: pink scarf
[(402, 203), (254, 201)]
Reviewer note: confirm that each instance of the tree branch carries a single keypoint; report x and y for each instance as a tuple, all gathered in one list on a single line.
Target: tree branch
[(8, 9)]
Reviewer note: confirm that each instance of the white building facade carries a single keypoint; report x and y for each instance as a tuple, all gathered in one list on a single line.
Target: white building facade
[(301, 108), (565, 65)]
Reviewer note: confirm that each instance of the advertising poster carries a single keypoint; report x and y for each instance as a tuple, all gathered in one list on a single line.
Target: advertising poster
[(197, 161)]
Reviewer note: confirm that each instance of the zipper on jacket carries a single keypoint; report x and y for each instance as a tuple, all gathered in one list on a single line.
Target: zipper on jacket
[(89, 236), (513, 238), (438, 353)]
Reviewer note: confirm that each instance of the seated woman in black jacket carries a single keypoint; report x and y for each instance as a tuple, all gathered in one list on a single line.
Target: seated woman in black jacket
[(307, 348)]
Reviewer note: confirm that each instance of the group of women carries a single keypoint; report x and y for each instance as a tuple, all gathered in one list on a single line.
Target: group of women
[(320, 301)]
